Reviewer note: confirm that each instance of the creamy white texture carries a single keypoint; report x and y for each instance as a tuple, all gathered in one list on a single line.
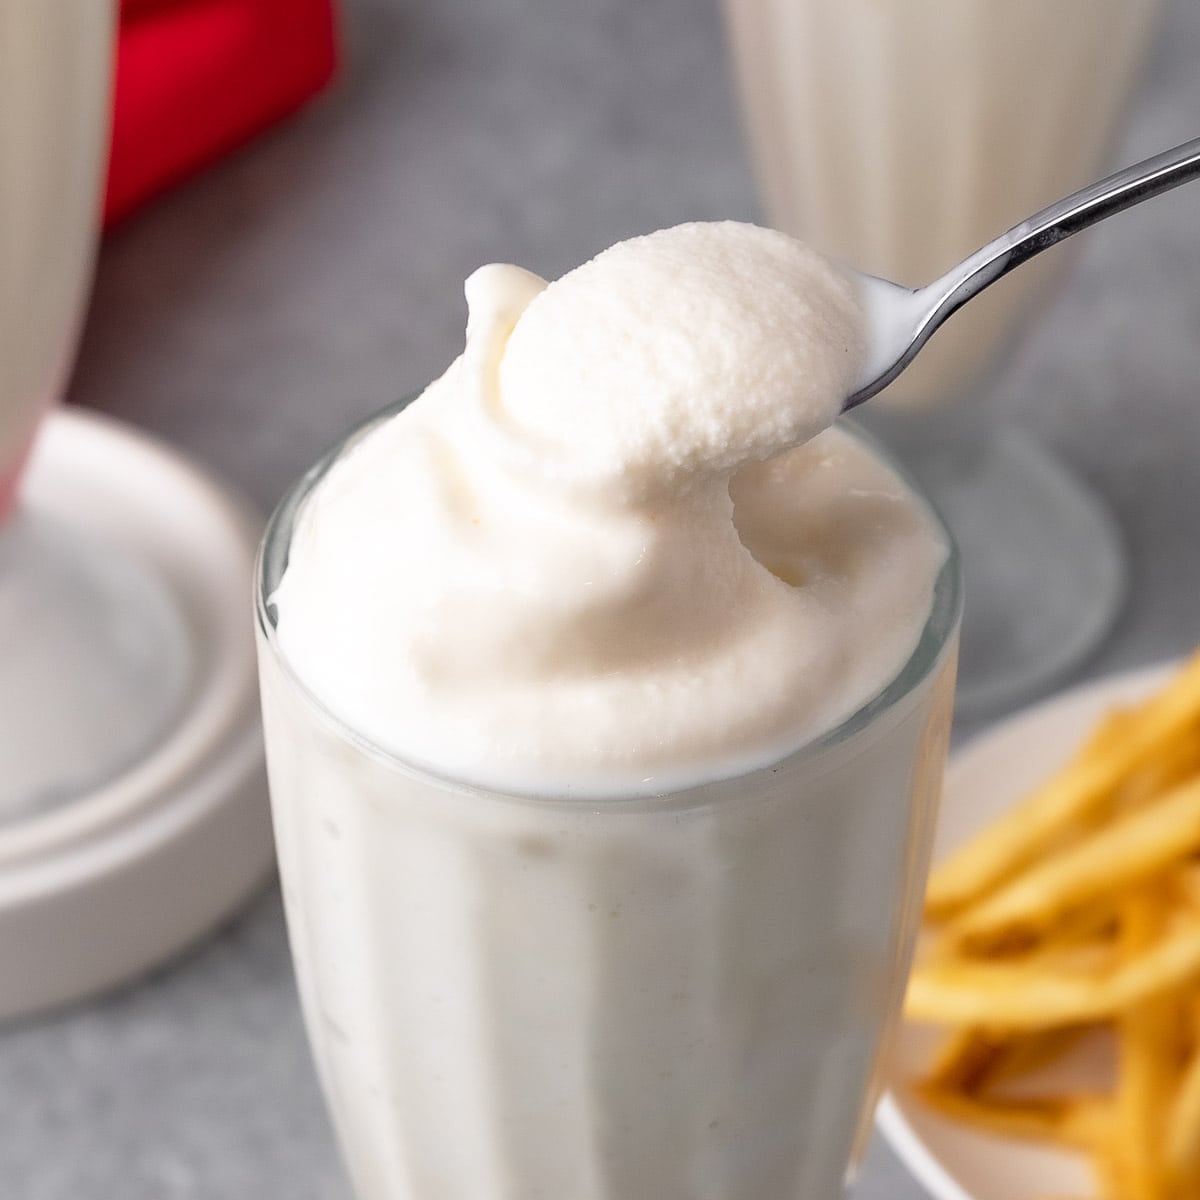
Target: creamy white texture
[(677, 357), (539, 575)]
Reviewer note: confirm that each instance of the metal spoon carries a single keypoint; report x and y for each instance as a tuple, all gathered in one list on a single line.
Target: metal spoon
[(900, 320)]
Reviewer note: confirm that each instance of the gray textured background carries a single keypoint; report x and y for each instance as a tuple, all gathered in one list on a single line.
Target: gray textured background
[(252, 314)]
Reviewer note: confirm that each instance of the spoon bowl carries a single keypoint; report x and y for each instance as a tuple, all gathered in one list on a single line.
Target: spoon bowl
[(900, 320)]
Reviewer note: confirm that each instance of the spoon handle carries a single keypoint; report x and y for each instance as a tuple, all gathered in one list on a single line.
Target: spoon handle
[(1059, 221)]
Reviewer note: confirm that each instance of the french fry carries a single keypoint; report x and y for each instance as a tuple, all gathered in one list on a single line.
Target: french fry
[(1147, 1062), (1081, 909), (1110, 1171), (1084, 936), (1183, 1133), (1174, 764), (1020, 995), (1133, 847), (1075, 936), (1183, 1127), (1083, 785)]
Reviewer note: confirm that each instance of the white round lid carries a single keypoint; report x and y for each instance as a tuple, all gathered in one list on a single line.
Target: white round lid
[(105, 880)]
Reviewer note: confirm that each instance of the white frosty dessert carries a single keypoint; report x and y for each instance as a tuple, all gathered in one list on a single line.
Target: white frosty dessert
[(535, 577), (597, 887)]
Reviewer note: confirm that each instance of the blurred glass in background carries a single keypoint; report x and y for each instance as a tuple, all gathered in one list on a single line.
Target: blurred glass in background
[(899, 138)]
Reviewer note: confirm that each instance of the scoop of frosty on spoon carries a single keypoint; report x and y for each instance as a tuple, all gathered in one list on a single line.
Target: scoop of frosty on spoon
[(901, 320)]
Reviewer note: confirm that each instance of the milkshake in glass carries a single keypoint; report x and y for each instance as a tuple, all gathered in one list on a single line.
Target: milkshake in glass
[(606, 697)]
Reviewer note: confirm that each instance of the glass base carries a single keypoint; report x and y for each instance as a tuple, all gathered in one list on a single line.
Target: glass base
[(97, 663), (1044, 568)]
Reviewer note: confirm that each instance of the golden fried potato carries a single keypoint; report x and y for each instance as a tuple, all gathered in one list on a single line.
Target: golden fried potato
[(1088, 782), (1080, 909)]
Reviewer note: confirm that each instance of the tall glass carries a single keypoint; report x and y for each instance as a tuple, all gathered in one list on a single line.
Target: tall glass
[(603, 997), (899, 137), (55, 79), (55, 66)]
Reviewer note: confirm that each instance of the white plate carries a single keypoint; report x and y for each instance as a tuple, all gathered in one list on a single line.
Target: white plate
[(952, 1160)]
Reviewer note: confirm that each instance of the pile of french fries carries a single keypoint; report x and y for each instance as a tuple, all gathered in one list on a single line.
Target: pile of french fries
[(1077, 915)]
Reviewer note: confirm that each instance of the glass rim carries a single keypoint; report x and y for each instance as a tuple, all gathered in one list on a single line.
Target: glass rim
[(936, 638)]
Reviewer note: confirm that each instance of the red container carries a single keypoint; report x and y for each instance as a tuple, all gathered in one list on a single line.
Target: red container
[(196, 78)]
